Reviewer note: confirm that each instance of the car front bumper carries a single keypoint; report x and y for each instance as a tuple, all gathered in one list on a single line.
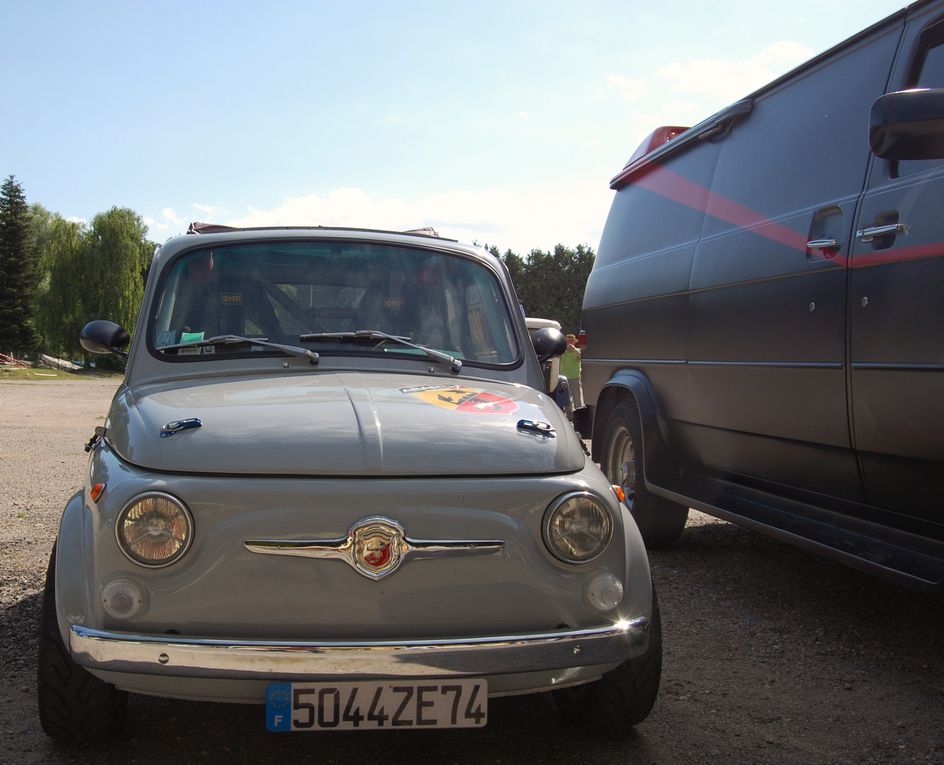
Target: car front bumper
[(187, 657)]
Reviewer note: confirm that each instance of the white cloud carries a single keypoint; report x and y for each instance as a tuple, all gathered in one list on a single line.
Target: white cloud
[(726, 80), (523, 114), (172, 217), (83, 222), (630, 88), (520, 220), (208, 210)]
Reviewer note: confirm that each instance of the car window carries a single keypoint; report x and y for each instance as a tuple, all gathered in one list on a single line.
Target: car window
[(279, 291)]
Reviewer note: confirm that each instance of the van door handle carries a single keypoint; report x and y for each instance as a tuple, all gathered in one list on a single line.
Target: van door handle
[(868, 234), (823, 244)]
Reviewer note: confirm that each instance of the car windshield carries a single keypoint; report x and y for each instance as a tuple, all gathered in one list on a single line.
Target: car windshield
[(318, 294)]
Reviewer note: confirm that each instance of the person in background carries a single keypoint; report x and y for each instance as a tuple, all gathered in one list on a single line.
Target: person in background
[(570, 368)]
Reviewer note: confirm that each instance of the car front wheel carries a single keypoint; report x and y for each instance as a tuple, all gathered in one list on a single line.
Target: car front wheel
[(624, 696), (74, 705)]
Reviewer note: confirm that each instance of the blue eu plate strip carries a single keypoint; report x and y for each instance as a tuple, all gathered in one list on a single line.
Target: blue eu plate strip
[(279, 707)]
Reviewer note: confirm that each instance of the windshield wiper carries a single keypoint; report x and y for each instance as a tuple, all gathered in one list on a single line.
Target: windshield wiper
[(373, 334), (288, 350)]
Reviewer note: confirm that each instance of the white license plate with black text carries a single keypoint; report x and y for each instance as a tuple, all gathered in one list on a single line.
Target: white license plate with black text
[(388, 705)]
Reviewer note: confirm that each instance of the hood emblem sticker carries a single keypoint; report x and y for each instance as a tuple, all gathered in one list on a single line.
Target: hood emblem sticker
[(177, 425), (462, 398), (374, 547)]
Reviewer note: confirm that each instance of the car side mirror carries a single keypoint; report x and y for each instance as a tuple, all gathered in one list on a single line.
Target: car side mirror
[(101, 336), (548, 343), (908, 124)]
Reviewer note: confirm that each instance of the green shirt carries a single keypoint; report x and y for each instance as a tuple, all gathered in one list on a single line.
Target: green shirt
[(570, 363)]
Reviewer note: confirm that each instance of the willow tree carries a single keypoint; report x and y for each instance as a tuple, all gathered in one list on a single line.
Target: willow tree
[(115, 254), (61, 312)]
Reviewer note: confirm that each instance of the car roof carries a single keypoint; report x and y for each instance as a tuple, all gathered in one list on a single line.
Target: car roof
[(418, 238)]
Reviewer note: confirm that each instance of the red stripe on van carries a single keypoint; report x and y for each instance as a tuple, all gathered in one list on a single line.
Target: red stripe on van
[(665, 183), (670, 185)]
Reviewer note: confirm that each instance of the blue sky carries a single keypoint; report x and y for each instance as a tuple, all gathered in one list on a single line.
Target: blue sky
[(495, 122)]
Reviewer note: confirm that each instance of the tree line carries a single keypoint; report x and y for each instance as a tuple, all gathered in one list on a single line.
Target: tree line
[(550, 285), (56, 275)]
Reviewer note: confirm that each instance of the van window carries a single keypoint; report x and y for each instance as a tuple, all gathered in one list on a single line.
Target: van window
[(662, 207), (927, 72)]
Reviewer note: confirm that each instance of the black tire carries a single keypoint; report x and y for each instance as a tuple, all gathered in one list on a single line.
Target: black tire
[(624, 696), (660, 520), (74, 705)]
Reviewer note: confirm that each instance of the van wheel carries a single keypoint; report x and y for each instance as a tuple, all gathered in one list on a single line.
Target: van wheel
[(660, 520), (624, 696), (74, 705)]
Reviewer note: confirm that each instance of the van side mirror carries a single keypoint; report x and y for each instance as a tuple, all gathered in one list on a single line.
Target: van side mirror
[(548, 343), (101, 336), (908, 124)]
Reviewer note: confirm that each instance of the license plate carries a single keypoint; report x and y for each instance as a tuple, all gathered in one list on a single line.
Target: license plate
[(376, 705)]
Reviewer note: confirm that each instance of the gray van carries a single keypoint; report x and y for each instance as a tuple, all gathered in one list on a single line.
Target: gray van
[(765, 317)]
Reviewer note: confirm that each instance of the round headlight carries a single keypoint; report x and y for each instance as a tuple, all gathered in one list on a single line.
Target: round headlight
[(577, 527), (154, 529)]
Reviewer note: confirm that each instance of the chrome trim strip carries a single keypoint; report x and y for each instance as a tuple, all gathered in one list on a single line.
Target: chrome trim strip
[(768, 364), (390, 541), (273, 659), (711, 363), (904, 366)]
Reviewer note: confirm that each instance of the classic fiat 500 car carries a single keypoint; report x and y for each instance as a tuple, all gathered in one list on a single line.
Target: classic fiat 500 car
[(331, 484)]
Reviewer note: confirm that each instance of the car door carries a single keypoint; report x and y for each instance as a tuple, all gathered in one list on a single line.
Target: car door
[(767, 300), (896, 309)]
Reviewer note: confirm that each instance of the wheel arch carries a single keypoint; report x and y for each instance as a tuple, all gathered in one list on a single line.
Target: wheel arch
[(633, 386), (71, 558)]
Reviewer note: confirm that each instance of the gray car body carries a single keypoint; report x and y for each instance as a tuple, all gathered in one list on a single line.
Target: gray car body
[(291, 450)]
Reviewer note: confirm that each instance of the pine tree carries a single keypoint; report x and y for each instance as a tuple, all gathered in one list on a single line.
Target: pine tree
[(18, 273)]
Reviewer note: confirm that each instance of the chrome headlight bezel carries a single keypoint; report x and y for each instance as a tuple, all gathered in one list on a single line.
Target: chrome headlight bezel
[(558, 506), (124, 546)]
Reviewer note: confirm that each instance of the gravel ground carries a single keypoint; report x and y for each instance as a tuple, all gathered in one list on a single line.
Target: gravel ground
[(771, 655)]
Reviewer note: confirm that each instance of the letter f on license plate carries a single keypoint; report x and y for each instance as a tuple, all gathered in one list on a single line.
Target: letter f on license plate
[(376, 706)]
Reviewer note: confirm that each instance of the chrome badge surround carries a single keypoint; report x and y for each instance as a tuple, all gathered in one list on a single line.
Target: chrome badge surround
[(374, 547)]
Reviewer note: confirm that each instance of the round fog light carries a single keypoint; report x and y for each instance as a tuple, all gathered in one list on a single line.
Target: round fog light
[(122, 599), (605, 592)]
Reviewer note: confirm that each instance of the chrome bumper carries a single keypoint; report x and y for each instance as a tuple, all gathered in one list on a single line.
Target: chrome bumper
[(173, 656)]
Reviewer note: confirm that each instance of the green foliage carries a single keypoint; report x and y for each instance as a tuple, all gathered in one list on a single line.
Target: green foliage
[(18, 273), (88, 273), (115, 255), (550, 285), (61, 312)]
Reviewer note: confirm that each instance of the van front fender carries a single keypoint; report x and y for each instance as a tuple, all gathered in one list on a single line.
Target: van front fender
[(633, 385)]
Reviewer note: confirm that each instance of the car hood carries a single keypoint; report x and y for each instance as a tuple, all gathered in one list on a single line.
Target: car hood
[(337, 424)]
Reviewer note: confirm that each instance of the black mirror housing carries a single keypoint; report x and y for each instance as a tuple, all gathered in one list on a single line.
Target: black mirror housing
[(548, 343), (102, 336), (908, 124)]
